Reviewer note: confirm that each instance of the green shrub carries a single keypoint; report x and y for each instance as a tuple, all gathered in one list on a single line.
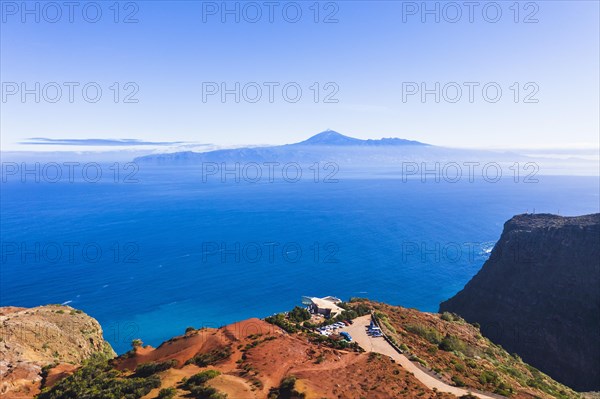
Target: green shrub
[(200, 379), (280, 321), (98, 380), (167, 393), (430, 334), (417, 359), (309, 325), (196, 385), (299, 315), (451, 343), (387, 324), (503, 389), (488, 377), (458, 381), (212, 357), (204, 392), (286, 390), (459, 367), (447, 316), (148, 369)]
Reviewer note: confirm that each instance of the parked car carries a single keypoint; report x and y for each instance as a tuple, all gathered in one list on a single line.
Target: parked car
[(346, 336)]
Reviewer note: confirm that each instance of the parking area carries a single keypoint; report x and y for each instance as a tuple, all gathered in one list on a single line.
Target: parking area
[(359, 330), (340, 328)]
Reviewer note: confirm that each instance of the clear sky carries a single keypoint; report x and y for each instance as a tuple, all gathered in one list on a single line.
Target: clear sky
[(366, 55)]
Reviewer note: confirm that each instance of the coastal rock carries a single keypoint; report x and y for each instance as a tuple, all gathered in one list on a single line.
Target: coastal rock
[(31, 339)]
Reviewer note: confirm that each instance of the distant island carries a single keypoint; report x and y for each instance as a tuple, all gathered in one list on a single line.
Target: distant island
[(351, 153), (325, 146)]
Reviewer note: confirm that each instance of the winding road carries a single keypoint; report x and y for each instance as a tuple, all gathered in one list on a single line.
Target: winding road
[(359, 334)]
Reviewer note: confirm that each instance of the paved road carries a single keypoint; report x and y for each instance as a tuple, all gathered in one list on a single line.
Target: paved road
[(359, 334)]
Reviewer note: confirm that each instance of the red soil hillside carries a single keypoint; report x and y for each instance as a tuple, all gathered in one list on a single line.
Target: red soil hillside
[(262, 355), (257, 360)]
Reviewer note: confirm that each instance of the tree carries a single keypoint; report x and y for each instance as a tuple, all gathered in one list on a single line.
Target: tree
[(299, 314), (136, 343)]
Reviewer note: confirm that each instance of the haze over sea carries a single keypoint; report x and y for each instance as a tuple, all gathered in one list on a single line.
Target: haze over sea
[(162, 266)]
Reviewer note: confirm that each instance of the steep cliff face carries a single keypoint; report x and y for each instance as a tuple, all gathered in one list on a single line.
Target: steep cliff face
[(539, 295), (46, 335)]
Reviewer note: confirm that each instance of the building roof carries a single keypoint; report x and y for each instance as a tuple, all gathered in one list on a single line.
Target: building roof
[(328, 302)]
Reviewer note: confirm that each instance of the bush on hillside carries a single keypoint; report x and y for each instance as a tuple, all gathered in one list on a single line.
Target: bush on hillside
[(148, 369), (167, 393), (198, 390), (212, 357), (298, 315), (286, 390), (98, 380), (430, 334), (451, 343)]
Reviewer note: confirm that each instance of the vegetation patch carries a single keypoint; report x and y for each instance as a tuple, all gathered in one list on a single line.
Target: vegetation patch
[(430, 334), (286, 390), (451, 343), (98, 380), (447, 316), (148, 369), (298, 315), (167, 393), (197, 387), (281, 321), (212, 357)]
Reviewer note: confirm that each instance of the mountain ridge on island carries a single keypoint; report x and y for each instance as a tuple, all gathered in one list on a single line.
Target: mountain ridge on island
[(352, 154), (333, 138), (327, 146)]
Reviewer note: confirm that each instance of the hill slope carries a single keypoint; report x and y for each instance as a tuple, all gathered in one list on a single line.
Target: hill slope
[(286, 358)]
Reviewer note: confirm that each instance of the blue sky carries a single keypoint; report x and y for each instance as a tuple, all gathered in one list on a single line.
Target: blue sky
[(369, 58)]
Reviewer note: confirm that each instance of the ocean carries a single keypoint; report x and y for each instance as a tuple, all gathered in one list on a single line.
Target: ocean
[(149, 258)]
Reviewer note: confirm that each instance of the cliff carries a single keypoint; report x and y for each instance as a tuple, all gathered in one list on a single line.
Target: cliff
[(53, 335), (539, 295)]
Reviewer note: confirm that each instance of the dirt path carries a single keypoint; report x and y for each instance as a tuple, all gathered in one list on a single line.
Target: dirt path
[(359, 334)]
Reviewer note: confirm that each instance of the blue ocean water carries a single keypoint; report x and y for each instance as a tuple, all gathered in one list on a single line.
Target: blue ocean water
[(176, 252)]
